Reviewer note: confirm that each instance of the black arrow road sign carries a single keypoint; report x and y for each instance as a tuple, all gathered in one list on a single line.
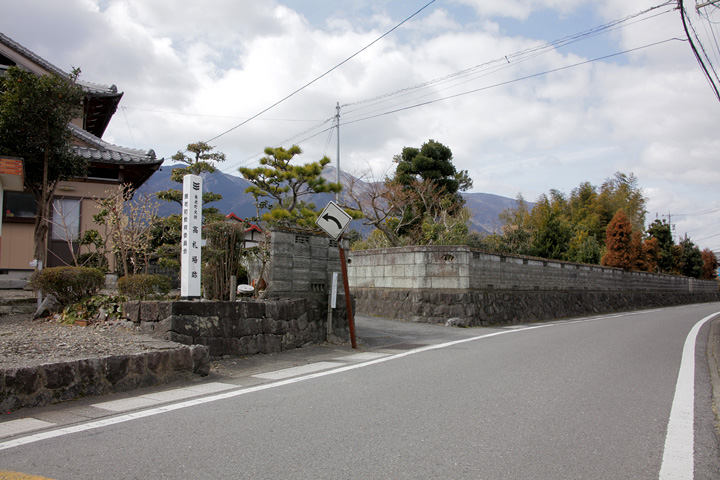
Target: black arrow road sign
[(329, 217), (334, 220)]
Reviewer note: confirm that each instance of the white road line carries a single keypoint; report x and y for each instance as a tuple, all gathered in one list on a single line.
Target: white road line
[(17, 442), (361, 357), (22, 425), (296, 371), (151, 399), (678, 461)]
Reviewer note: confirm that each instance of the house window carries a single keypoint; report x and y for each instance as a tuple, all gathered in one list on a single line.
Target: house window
[(66, 219), (19, 205)]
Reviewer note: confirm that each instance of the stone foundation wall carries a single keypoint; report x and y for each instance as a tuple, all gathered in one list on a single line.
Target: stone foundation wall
[(468, 308), (60, 382), (438, 283), (245, 327)]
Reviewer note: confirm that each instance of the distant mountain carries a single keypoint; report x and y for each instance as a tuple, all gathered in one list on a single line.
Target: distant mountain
[(484, 206)]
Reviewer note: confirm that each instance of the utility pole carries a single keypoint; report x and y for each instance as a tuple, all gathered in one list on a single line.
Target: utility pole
[(337, 119)]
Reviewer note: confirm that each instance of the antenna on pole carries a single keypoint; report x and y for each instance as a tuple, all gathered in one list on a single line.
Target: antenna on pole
[(337, 118)]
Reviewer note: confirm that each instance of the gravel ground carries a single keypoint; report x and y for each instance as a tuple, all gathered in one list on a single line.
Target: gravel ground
[(27, 342)]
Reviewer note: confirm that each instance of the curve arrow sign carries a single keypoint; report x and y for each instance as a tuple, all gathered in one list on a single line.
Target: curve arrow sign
[(333, 220), (328, 217)]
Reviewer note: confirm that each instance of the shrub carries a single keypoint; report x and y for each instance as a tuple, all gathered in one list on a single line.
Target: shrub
[(143, 286), (98, 307), (223, 255), (68, 284)]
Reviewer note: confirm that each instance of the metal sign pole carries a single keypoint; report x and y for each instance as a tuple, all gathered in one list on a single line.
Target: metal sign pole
[(348, 300)]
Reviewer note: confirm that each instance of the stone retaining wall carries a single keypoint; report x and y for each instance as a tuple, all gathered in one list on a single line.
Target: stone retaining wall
[(60, 382), (438, 283), (502, 308), (245, 327)]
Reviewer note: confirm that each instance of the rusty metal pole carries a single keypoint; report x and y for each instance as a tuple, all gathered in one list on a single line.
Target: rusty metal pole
[(348, 300)]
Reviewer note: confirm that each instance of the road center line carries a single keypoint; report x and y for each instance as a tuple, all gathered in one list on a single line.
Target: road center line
[(678, 461)]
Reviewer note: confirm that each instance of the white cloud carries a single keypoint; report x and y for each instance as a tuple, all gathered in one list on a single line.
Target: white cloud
[(214, 64)]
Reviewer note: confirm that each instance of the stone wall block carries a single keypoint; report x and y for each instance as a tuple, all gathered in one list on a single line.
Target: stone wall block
[(138, 364), (181, 360), (148, 311), (201, 360), (269, 343), (302, 322), (131, 310), (22, 381), (157, 362), (186, 307), (255, 309), (164, 310), (91, 370), (117, 368), (60, 375), (215, 345), (181, 338)]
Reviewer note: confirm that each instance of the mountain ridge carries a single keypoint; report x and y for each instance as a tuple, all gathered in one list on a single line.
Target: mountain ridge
[(485, 207)]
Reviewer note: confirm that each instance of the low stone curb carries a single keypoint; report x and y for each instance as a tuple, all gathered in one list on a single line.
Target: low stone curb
[(60, 382), (18, 306)]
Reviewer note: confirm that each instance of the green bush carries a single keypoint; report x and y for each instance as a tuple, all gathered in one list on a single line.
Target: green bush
[(68, 284), (143, 286), (98, 307)]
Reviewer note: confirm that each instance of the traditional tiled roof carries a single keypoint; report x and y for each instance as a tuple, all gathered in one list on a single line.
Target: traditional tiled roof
[(88, 87), (104, 152)]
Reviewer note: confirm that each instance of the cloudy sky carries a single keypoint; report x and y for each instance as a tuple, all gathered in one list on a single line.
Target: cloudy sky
[(529, 94)]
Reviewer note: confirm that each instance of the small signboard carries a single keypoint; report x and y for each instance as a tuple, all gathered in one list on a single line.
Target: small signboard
[(190, 263), (334, 220)]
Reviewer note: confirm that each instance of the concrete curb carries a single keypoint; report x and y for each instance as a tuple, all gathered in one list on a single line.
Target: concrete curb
[(60, 382)]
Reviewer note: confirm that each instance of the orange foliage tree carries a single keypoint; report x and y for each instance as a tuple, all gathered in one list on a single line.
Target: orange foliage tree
[(619, 243), (710, 265)]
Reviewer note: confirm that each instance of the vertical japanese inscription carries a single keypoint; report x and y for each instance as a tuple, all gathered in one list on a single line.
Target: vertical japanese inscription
[(190, 264)]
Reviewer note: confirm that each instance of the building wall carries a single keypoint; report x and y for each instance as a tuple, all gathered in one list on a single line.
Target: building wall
[(17, 238)]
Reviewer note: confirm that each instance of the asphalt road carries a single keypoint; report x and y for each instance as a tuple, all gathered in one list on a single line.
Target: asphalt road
[(586, 398)]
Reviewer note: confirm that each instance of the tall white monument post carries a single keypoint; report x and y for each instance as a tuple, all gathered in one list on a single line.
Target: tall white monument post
[(190, 264)]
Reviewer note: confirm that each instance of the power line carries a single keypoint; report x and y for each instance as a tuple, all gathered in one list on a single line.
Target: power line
[(517, 80), (528, 77), (523, 55), (706, 71), (534, 51), (324, 74)]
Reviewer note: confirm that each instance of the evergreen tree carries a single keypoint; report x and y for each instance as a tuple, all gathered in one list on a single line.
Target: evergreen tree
[(286, 185), (660, 230), (35, 112)]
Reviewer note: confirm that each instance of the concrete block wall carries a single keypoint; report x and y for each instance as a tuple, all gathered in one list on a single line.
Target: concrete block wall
[(461, 268), (301, 262), (435, 284)]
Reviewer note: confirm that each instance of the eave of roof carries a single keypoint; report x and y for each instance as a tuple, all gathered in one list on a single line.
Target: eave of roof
[(104, 152), (88, 87)]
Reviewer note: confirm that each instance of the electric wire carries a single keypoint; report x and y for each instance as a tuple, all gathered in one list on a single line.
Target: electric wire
[(324, 74), (687, 24), (508, 82), (487, 87), (534, 51)]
